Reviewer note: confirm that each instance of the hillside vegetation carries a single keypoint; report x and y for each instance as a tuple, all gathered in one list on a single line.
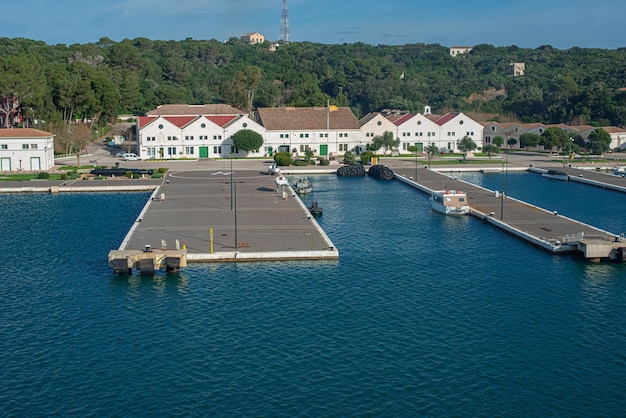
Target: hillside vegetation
[(101, 80)]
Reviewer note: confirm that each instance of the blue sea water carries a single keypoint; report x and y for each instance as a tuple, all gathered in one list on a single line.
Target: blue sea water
[(422, 315)]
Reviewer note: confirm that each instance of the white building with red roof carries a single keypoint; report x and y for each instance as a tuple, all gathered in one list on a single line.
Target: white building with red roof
[(192, 131), (26, 149), (422, 130)]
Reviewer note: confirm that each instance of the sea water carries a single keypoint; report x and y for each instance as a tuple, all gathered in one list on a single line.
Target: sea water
[(422, 315)]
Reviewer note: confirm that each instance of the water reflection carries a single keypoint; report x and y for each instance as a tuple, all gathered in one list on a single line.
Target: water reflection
[(161, 284)]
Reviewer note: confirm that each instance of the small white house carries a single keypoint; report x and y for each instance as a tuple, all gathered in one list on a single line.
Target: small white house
[(26, 149)]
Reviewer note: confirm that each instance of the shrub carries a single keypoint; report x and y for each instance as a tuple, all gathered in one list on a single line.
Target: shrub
[(366, 157), (129, 174), (157, 175), (300, 163), (43, 175), (162, 170), (63, 176), (324, 162), (136, 176), (283, 159)]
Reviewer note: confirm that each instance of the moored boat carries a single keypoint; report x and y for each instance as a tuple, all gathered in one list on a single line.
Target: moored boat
[(315, 209), (449, 202), (556, 175), (303, 186), (619, 171)]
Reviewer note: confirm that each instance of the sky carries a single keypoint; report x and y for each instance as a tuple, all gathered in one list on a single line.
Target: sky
[(562, 24)]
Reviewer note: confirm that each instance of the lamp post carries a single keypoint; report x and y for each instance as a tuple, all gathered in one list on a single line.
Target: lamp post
[(504, 183), (233, 185), (231, 180)]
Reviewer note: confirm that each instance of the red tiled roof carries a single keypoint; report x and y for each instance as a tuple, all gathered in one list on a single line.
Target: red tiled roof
[(24, 133), (403, 119), (446, 118), (306, 118), (220, 120)]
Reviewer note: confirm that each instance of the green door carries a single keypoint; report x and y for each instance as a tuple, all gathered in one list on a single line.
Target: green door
[(420, 147), (323, 149), (204, 152), (270, 151)]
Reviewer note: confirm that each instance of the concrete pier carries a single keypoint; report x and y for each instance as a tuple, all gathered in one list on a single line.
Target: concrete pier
[(545, 229), (220, 215)]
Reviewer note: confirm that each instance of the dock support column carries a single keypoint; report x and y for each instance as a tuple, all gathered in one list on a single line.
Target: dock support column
[(211, 241)]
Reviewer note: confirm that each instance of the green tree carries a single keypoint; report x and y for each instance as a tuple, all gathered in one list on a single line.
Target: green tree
[(527, 140), (554, 137), (490, 150), (465, 145), (385, 141), (511, 142), (431, 150), (498, 141), (247, 140), (599, 141), (240, 90)]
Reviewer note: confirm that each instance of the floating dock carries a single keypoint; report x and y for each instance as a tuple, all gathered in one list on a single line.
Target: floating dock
[(545, 229)]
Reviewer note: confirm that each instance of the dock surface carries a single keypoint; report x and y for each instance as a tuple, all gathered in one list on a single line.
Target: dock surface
[(546, 229), (242, 210)]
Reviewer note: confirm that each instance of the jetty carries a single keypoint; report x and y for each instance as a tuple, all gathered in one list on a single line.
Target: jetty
[(217, 215), (543, 228)]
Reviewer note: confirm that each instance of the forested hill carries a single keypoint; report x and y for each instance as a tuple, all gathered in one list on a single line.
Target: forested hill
[(107, 78)]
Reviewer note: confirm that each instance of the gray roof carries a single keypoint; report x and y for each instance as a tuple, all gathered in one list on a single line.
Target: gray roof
[(194, 110)]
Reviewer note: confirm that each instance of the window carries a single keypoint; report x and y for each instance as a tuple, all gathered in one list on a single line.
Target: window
[(203, 125), (4, 146), (325, 135), (302, 148), (189, 150), (460, 122), (24, 146), (151, 152), (379, 123), (171, 150), (217, 150), (493, 128), (245, 125), (33, 146), (160, 126), (419, 122), (217, 137), (186, 137), (169, 138), (343, 147)]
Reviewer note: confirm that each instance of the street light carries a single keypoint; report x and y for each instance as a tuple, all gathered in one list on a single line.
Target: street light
[(505, 166), (233, 184)]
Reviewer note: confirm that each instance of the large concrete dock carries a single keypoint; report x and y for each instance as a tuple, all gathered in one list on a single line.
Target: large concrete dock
[(221, 215), (548, 230)]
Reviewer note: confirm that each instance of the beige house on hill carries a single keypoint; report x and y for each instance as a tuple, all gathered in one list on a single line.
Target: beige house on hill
[(253, 38)]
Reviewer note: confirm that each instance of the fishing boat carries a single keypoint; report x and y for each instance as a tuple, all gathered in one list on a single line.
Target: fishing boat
[(315, 209), (302, 186), (619, 171), (449, 202), (556, 175)]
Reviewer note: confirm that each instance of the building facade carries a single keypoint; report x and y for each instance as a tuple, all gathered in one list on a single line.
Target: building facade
[(188, 131), (327, 131), (26, 149)]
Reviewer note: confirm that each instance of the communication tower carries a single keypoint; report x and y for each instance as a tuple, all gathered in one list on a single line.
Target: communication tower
[(284, 34)]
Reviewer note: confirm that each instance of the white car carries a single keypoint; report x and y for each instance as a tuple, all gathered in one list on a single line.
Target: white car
[(129, 156)]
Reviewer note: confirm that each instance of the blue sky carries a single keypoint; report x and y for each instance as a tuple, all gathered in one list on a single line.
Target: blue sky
[(529, 24)]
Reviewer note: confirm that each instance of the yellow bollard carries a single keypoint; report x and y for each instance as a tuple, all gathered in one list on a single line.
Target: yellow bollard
[(211, 240)]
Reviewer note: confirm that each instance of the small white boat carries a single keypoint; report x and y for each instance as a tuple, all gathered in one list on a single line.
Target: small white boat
[(273, 169), (556, 175), (303, 186), (619, 171), (449, 202)]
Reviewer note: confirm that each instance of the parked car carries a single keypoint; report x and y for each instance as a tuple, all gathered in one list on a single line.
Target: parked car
[(120, 154), (129, 156)]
